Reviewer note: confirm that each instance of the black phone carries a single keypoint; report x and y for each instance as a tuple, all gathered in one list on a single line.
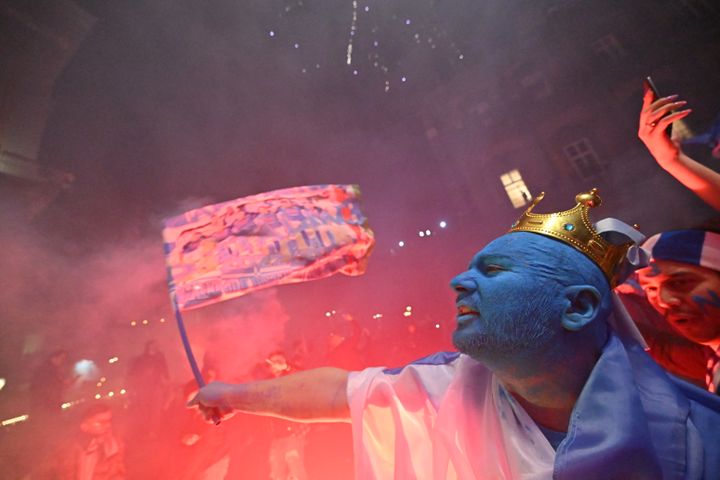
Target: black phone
[(648, 84)]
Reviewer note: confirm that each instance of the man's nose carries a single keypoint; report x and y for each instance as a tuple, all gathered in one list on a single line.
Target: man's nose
[(463, 283), (667, 298)]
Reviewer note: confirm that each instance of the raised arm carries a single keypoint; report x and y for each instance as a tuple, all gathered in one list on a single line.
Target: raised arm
[(316, 395), (654, 118)]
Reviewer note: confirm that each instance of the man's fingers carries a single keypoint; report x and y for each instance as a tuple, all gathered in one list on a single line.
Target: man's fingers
[(654, 117), (651, 130), (215, 414), (663, 109), (193, 401), (665, 121), (652, 110), (659, 103)]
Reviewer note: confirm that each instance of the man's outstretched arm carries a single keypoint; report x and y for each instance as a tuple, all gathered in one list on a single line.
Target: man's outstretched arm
[(316, 395)]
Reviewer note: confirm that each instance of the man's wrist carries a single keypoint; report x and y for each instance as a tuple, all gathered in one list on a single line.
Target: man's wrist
[(235, 394), (668, 160)]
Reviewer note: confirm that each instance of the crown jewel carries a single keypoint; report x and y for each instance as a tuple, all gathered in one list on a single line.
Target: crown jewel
[(573, 227)]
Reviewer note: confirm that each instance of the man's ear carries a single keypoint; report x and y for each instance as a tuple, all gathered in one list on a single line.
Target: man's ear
[(583, 304)]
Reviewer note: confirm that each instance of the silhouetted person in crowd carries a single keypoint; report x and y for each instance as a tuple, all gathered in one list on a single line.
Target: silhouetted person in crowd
[(346, 343), (49, 383), (92, 452), (148, 392), (48, 388), (147, 384)]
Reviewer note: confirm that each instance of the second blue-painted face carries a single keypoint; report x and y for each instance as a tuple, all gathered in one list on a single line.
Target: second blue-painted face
[(511, 298)]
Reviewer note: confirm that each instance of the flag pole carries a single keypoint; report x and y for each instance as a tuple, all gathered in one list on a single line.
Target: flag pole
[(186, 342)]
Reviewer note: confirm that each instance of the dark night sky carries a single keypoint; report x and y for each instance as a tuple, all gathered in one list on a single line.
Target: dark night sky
[(167, 102)]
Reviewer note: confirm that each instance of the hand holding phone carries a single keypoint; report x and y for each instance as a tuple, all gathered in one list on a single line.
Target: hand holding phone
[(656, 116), (648, 84)]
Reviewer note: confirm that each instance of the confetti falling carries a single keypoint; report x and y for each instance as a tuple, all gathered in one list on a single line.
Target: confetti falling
[(388, 41), (353, 29)]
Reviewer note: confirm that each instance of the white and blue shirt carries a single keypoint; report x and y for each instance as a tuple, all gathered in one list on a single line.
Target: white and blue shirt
[(448, 417)]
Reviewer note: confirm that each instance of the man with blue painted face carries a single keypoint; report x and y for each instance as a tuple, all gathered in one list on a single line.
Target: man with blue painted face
[(549, 382)]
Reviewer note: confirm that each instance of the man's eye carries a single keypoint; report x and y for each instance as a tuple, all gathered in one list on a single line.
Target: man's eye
[(492, 268)]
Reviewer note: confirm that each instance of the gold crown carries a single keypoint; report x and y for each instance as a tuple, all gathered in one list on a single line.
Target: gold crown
[(574, 228)]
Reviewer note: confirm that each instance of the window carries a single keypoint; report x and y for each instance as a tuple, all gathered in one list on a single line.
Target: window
[(515, 188), (583, 158), (609, 47)]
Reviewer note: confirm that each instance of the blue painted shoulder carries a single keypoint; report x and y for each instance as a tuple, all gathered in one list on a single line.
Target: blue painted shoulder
[(438, 358)]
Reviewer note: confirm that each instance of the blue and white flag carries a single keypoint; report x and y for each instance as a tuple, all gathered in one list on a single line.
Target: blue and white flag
[(229, 249)]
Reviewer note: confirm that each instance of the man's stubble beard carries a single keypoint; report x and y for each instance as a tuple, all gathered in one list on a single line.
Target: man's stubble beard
[(512, 334)]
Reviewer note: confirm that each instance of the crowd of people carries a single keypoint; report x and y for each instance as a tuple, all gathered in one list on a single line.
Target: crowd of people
[(149, 433), (419, 418)]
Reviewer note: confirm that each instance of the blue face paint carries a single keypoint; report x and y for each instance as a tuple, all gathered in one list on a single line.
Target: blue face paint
[(511, 298), (702, 302)]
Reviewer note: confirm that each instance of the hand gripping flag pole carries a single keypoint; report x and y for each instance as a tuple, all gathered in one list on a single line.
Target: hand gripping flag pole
[(233, 248)]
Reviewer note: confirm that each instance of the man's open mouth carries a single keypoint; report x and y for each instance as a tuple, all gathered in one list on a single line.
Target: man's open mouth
[(465, 310)]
